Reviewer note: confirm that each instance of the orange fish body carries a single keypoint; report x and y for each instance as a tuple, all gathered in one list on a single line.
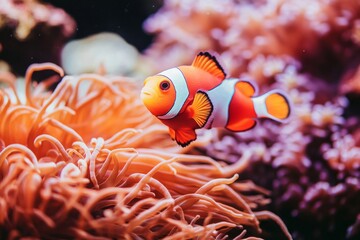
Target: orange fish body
[(198, 96)]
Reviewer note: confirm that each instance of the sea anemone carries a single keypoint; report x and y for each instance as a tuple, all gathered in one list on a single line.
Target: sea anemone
[(88, 161)]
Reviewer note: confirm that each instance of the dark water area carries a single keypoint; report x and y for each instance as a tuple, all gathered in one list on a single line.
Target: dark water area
[(124, 17)]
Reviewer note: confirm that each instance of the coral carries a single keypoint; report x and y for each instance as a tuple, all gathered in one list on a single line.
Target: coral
[(32, 31), (107, 51), (310, 50), (309, 163), (88, 161), (350, 82), (240, 31)]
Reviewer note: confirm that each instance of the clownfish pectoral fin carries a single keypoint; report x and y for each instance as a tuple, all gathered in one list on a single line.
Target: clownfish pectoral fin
[(172, 133), (243, 125), (185, 136), (201, 108), (208, 63), (274, 105), (248, 88)]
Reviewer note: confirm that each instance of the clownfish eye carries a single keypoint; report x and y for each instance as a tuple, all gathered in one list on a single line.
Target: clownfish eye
[(164, 85)]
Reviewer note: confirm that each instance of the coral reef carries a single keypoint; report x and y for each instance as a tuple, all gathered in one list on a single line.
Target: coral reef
[(310, 49), (241, 31), (88, 161), (32, 31)]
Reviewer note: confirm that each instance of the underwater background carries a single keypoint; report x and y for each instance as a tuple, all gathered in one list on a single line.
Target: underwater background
[(81, 157)]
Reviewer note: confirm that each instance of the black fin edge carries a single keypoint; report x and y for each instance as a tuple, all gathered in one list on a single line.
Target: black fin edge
[(211, 104), (212, 57)]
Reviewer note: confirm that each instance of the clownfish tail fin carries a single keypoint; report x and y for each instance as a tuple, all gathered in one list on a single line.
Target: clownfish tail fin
[(273, 104)]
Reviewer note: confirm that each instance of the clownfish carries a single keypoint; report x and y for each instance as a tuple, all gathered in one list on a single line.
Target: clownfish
[(186, 98)]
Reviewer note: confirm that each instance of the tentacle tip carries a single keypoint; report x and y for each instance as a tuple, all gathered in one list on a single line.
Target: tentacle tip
[(61, 72), (37, 143)]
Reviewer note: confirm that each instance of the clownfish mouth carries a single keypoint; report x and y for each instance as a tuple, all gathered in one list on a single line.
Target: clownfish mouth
[(146, 93)]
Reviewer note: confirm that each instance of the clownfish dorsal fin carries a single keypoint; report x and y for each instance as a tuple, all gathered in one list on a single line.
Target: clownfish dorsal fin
[(208, 63), (201, 108), (247, 88)]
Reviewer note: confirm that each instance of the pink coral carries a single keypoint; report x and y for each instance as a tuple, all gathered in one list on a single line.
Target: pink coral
[(239, 31)]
